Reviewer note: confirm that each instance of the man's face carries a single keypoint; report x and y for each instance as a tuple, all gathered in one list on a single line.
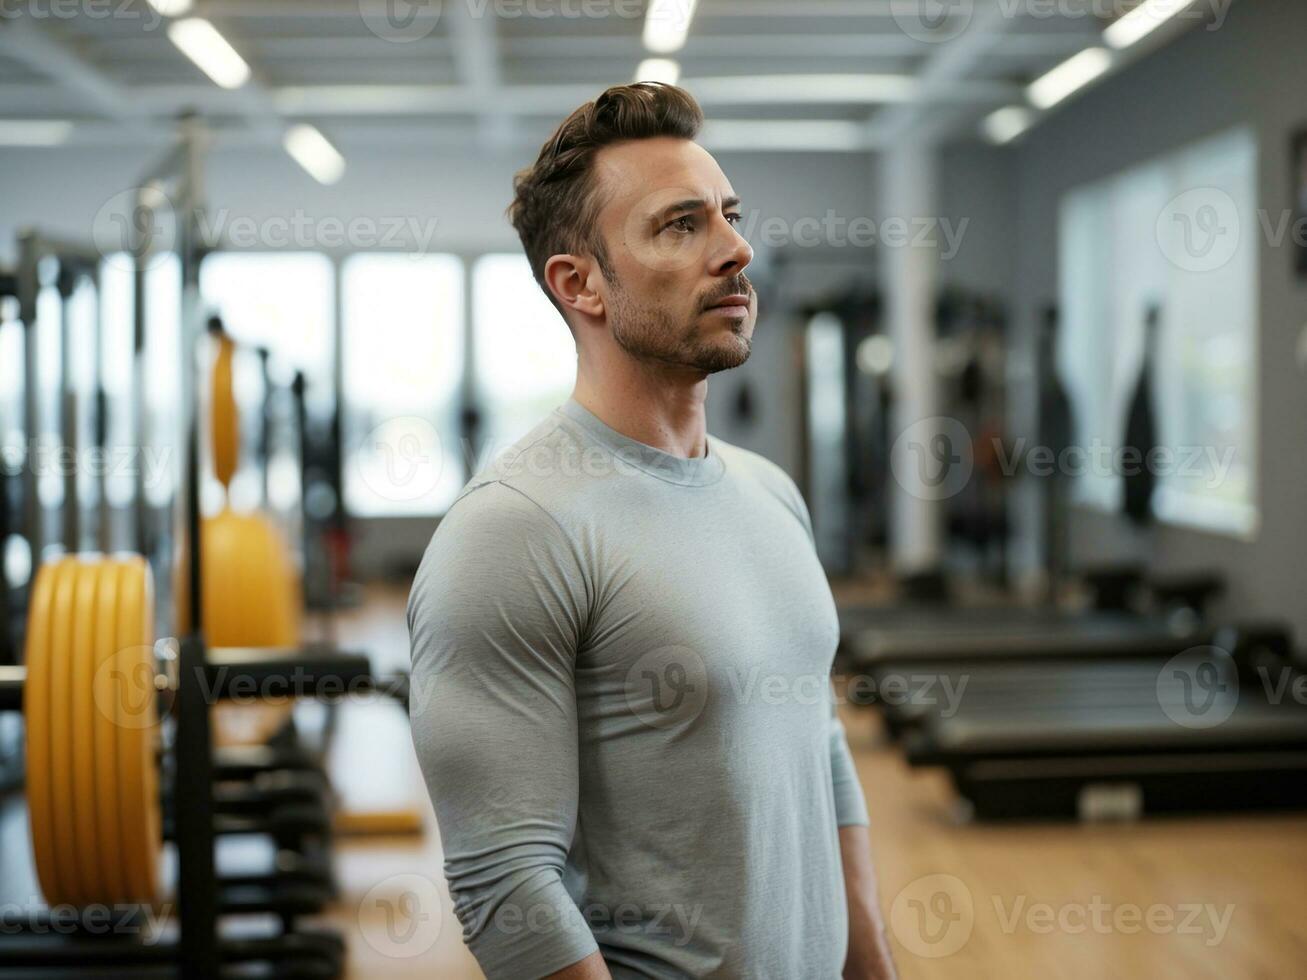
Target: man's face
[(678, 294)]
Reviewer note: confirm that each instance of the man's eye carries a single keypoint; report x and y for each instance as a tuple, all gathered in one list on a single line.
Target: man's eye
[(683, 223), (735, 219)]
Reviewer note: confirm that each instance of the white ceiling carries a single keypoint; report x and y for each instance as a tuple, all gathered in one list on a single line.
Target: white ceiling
[(500, 72)]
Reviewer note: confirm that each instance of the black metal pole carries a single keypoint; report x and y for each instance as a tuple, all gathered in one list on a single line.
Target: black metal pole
[(27, 286), (68, 434), (193, 788)]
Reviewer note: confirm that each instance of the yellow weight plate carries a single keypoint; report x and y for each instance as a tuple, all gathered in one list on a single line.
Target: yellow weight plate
[(67, 872), (36, 712), (107, 806), (139, 818), (82, 728), (224, 427)]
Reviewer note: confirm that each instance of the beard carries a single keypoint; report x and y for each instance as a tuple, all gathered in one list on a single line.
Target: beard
[(653, 335)]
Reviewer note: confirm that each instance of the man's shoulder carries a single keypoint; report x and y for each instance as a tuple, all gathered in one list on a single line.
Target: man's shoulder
[(551, 453), (754, 466)]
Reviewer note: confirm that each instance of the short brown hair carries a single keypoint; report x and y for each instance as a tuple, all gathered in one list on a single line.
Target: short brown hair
[(555, 209)]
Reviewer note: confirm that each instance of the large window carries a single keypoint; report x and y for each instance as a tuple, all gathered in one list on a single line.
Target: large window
[(1178, 235), (117, 364), (163, 297), (525, 356), (403, 369)]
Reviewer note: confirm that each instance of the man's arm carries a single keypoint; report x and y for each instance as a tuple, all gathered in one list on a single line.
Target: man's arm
[(495, 618), (868, 957)]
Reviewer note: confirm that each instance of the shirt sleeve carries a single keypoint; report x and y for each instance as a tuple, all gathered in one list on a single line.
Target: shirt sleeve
[(850, 804), (495, 618)]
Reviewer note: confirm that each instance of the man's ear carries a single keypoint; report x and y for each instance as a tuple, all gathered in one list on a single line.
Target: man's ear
[(568, 278)]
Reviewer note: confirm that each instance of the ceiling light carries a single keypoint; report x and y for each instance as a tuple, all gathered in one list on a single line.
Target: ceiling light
[(663, 70), (171, 8), (1142, 21), (666, 24), (1073, 74), (34, 132), (783, 134), (1007, 124), (312, 152), (200, 41)]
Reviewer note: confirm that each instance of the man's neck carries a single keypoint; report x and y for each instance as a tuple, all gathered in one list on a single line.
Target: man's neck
[(660, 407)]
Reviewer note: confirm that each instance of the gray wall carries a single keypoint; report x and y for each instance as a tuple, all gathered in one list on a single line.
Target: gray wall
[(1251, 71)]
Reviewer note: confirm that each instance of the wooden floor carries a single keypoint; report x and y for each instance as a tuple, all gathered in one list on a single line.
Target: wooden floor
[(1224, 899)]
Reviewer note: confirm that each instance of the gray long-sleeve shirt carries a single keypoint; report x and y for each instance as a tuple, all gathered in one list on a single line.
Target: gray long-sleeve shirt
[(621, 703)]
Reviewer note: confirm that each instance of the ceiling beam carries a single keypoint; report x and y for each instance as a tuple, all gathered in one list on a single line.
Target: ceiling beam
[(360, 136), (948, 66), (24, 40), (711, 92), (476, 56)]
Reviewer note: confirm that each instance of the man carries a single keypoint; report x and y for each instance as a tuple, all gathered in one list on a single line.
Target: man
[(621, 634)]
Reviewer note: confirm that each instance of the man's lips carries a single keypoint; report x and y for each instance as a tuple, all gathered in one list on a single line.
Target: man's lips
[(736, 304)]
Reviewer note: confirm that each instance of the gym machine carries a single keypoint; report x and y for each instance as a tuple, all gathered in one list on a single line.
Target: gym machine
[(1196, 733), (102, 757)]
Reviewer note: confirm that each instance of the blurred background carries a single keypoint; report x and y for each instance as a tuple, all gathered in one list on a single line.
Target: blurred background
[(1032, 283)]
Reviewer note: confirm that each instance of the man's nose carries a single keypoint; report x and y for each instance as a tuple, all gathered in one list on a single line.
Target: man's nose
[(734, 253)]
